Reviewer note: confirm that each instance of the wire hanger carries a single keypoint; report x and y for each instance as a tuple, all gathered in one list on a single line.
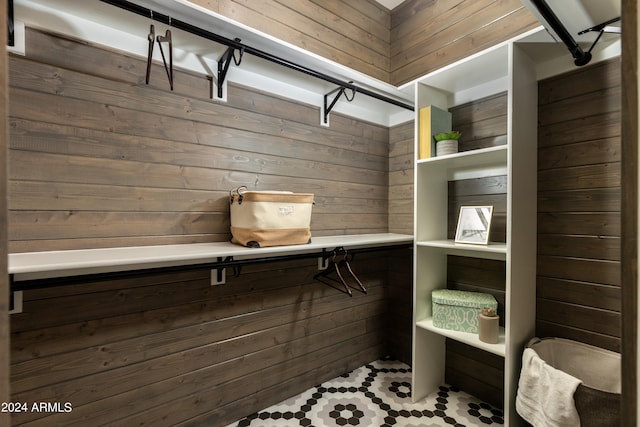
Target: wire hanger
[(333, 268), (345, 262)]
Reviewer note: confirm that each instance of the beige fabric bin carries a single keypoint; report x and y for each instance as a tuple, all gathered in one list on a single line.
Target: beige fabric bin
[(270, 218), (597, 399)]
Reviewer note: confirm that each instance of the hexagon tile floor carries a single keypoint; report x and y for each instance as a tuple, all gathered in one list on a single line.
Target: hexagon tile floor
[(377, 394)]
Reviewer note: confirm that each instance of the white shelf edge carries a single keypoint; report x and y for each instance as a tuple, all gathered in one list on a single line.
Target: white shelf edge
[(466, 337), (452, 246), (49, 264), (471, 156)]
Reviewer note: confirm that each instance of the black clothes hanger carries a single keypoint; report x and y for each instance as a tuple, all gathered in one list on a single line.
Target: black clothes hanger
[(167, 39), (160, 39), (333, 267), (152, 38), (345, 262)]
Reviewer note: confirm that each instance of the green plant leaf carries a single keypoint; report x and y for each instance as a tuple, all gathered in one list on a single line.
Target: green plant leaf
[(448, 135)]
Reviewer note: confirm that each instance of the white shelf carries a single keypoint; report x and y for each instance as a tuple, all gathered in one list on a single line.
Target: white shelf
[(467, 164), (472, 158), (466, 337), (49, 264), (452, 247)]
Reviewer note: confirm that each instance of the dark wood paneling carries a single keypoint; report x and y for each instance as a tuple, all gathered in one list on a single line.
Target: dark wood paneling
[(629, 189), (4, 285), (481, 373), (158, 342), (399, 299), (400, 290), (579, 203), (478, 275), (426, 35), (484, 124), (490, 191)]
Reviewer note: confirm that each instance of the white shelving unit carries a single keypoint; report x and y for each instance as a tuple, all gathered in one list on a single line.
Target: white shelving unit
[(506, 67)]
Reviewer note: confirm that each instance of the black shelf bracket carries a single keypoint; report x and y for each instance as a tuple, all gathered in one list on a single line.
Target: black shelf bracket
[(601, 29), (604, 27), (225, 61), (341, 91)]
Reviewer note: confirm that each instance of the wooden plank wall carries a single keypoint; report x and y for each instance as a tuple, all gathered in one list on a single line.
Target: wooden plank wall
[(167, 350), (354, 33), (629, 213), (427, 34), (401, 178), (578, 285), (400, 287), (99, 159), (396, 46), (4, 285)]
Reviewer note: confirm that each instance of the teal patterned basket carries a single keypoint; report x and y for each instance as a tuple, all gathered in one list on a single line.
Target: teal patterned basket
[(459, 310)]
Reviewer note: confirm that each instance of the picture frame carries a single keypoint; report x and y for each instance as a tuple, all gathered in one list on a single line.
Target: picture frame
[(474, 225)]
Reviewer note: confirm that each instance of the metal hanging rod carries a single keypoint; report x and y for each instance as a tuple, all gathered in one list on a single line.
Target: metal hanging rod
[(220, 264), (236, 44), (580, 57)]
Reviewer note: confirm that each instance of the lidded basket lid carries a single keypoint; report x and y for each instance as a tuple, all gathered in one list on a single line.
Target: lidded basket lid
[(463, 298)]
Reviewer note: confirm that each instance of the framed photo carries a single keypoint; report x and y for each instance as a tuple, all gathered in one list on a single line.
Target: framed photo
[(474, 223)]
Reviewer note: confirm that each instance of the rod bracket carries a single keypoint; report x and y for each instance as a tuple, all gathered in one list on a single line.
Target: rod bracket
[(219, 275), (15, 298), (601, 29), (225, 61), (327, 107)]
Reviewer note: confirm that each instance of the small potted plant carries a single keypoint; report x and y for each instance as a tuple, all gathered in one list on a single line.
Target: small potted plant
[(447, 142)]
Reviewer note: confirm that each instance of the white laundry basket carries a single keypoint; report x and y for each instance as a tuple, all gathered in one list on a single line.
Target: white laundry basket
[(597, 399)]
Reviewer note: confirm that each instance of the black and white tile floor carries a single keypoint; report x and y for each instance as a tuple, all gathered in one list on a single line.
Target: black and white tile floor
[(377, 394)]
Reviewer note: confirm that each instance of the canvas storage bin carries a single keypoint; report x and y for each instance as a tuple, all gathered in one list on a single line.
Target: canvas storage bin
[(459, 310), (597, 398), (270, 218)]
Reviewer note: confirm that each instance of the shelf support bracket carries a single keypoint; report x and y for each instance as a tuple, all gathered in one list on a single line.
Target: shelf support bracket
[(225, 62), (323, 261), (15, 299), (219, 275), (327, 108), (601, 29)]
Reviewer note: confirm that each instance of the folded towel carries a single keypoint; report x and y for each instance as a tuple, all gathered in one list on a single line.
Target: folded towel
[(545, 394)]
